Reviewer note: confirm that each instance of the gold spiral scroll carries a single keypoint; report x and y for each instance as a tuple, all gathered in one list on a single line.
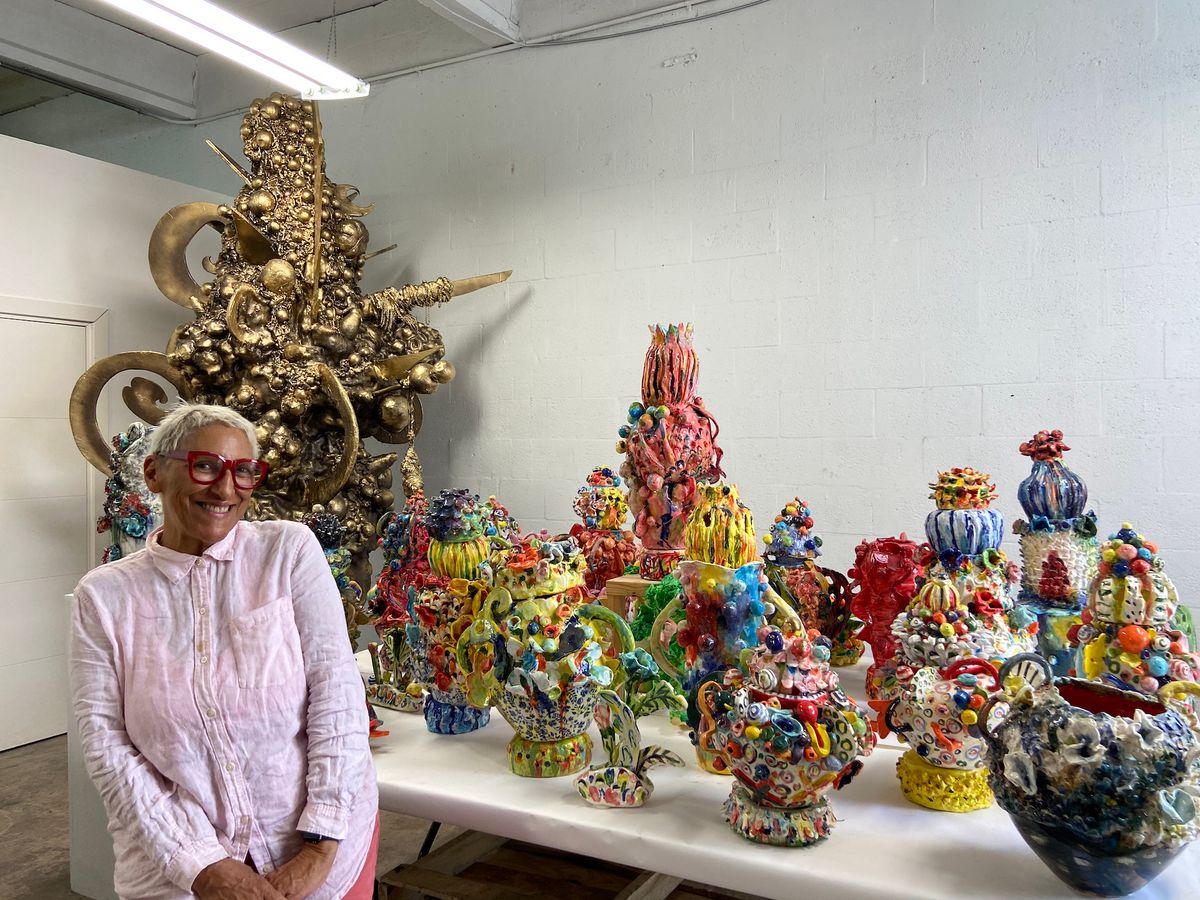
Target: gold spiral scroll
[(140, 397)]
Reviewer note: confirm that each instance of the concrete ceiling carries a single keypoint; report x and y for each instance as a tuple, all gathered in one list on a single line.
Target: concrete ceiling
[(50, 47)]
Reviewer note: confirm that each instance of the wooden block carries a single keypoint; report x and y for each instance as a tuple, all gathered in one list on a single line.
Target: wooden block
[(650, 886), (622, 594)]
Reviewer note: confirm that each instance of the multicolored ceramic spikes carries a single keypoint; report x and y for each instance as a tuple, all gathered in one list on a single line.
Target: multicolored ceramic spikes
[(670, 445), (607, 547), (819, 595), (937, 714), (780, 722), (1058, 546), (964, 547), (131, 510), (1128, 636), (541, 655), (1101, 783), (444, 608)]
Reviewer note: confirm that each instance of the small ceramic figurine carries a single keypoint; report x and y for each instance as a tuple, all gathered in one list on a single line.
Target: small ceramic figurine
[(1058, 546), (541, 655), (131, 510), (404, 540), (331, 533), (607, 547), (670, 446), (781, 724), (1128, 636), (820, 596), (936, 715), (884, 577), (1103, 784), (725, 595), (444, 609), (622, 782)]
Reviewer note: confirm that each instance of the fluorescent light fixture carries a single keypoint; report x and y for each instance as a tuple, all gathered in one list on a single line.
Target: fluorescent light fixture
[(247, 45)]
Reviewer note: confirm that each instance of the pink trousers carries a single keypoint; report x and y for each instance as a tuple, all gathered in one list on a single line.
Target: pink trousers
[(364, 885)]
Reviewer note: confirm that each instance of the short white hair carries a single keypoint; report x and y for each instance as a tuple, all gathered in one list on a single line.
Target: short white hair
[(179, 423)]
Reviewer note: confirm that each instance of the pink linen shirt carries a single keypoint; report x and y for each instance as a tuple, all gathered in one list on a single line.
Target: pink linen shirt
[(220, 709)]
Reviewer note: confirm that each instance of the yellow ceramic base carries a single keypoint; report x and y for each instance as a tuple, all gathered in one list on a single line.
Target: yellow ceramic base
[(549, 759), (947, 790)]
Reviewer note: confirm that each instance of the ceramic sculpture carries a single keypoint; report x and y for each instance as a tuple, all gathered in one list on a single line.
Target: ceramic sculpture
[(1102, 784), (725, 596), (964, 534), (404, 540), (884, 577), (131, 510), (820, 596), (1128, 635), (444, 609), (281, 332), (781, 724), (607, 547), (1058, 547), (541, 655), (936, 715), (622, 781), (331, 534), (670, 446)]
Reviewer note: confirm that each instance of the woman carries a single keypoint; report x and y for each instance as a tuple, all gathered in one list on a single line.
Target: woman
[(220, 710)]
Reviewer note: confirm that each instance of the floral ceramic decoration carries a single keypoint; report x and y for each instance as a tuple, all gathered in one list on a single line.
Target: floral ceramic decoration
[(670, 446), (131, 510), (607, 547), (820, 596), (622, 782), (787, 733), (1128, 634), (1058, 546), (542, 655), (884, 582), (1103, 784)]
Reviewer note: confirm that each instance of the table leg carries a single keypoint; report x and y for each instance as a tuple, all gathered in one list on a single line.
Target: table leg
[(430, 837)]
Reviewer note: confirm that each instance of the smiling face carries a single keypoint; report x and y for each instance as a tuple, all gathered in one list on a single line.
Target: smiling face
[(196, 516)]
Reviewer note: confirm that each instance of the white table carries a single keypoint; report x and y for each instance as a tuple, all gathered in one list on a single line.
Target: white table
[(883, 847)]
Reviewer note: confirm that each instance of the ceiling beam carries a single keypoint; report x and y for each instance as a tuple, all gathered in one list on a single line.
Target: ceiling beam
[(72, 47), (491, 21)]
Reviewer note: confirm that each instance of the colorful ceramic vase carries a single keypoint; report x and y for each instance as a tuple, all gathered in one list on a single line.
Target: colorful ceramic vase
[(404, 540), (541, 655), (782, 725), (1128, 636), (1101, 783), (725, 595), (1058, 547), (607, 547), (444, 609), (884, 582), (131, 510), (936, 715), (670, 445), (965, 534), (820, 596)]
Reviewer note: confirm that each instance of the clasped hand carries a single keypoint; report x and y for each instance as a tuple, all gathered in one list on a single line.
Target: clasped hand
[(294, 880)]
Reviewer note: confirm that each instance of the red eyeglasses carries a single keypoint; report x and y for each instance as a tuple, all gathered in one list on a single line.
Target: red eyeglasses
[(205, 468)]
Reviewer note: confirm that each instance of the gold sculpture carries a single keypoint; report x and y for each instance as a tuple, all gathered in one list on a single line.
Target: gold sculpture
[(284, 336)]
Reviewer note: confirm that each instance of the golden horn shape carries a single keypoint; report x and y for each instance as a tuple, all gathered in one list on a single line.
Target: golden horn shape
[(323, 489), (466, 285), (229, 161), (396, 367), (86, 393), (254, 246), (168, 246)]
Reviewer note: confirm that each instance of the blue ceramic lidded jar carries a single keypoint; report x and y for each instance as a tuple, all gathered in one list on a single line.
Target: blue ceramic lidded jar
[(963, 521), (1051, 490)]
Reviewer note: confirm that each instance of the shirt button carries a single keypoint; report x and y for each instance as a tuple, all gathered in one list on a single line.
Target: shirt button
[(229, 767), (204, 659), (203, 610), (212, 713)]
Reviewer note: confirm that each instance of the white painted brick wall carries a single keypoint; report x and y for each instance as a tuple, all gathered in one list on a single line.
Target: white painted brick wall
[(909, 233)]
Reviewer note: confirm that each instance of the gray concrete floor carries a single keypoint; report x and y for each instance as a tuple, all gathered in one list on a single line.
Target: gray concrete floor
[(34, 826)]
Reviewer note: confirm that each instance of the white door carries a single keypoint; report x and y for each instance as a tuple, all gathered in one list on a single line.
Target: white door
[(44, 528)]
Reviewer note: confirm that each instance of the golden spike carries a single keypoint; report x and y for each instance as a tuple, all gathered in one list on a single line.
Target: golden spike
[(466, 285), (314, 298), (229, 161), (375, 253), (396, 367)]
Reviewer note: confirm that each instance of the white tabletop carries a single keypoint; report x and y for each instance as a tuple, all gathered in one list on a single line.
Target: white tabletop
[(883, 846)]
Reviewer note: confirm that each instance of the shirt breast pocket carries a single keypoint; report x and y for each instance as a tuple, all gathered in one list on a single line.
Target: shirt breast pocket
[(266, 645)]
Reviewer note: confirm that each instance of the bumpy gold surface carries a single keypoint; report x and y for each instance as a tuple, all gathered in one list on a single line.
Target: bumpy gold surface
[(283, 334)]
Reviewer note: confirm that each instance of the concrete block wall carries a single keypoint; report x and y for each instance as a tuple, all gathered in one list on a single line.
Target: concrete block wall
[(909, 234)]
